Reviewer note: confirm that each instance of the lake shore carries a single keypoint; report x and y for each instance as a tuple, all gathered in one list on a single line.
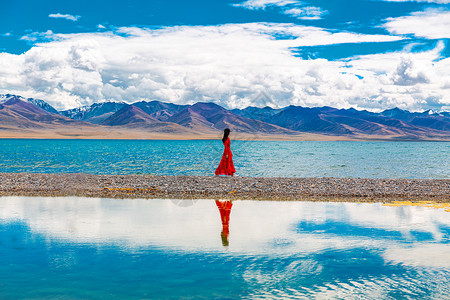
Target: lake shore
[(211, 187)]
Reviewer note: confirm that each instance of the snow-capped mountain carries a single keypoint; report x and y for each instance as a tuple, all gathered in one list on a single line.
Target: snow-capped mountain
[(38, 102), (95, 113), (19, 114)]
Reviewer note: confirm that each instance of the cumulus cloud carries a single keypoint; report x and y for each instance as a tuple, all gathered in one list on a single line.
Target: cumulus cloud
[(230, 65), (403, 79), (64, 16), (432, 24), (407, 74)]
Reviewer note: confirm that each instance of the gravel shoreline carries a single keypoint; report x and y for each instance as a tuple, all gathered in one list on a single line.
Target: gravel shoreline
[(211, 187)]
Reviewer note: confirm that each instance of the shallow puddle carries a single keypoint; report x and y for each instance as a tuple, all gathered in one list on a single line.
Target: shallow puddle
[(92, 248)]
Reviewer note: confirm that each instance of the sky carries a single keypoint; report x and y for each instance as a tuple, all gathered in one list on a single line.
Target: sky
[(365, 54)]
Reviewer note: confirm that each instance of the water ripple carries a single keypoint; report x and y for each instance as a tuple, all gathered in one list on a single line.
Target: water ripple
[(252, 158)]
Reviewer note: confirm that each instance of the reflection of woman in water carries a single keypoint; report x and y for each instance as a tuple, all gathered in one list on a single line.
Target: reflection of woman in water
[(226, 166), (224, 209)]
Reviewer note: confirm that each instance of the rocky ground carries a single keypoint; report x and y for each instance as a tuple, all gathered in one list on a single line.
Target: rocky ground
[(210, 187)]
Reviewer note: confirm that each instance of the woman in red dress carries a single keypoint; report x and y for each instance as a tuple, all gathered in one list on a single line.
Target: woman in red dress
[(226, 166)]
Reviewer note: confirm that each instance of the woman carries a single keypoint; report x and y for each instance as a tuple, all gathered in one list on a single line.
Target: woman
[(226, 166)]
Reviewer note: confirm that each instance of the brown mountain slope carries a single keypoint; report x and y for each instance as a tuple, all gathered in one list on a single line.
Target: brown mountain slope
[(210, 117), (132, 116), (16, 113)]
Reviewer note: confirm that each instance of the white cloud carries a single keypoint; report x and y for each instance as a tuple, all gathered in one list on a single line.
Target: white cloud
[(432, 24), (35, 36), (306, 13), (292, 8), (100, 26), (262, 4), (414, 81), (64, 16), (229, 64), (407, 74)]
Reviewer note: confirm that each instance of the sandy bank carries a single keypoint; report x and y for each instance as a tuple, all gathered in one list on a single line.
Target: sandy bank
[(135, 134)]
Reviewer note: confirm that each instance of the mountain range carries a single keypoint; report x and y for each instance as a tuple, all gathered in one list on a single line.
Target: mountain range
[(18, 113)]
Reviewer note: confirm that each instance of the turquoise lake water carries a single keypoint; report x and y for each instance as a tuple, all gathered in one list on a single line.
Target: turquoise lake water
[(79, 248), (251, 158)]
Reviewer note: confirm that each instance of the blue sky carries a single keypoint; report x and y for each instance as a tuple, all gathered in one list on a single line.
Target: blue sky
[(368, 54), (361, 16)]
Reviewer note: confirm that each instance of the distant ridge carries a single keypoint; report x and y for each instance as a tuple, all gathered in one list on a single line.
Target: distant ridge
[(307, 120), (132, 116), (439, 121), (129, 115), (160, 110), (16, 113), (261, 114), (210, 118), (38, 102), (96, 113)]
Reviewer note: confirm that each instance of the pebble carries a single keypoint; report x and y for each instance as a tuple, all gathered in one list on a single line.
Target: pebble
[(213, 187)]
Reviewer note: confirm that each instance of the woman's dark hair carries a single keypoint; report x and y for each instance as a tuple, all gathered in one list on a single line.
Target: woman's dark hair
[(226, 133)]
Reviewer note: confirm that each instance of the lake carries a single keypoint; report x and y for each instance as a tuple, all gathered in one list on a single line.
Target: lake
[(141, 249), (251, 158)]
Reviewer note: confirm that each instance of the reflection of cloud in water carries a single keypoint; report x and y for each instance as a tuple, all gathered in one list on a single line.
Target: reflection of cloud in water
[(431, 255), (255, 227), (276, 249)]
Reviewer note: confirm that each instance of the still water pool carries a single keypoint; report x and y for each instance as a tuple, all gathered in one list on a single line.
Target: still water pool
[(81, 248)]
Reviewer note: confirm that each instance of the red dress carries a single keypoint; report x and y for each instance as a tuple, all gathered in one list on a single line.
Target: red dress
[(226, 166), (224, 210)]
